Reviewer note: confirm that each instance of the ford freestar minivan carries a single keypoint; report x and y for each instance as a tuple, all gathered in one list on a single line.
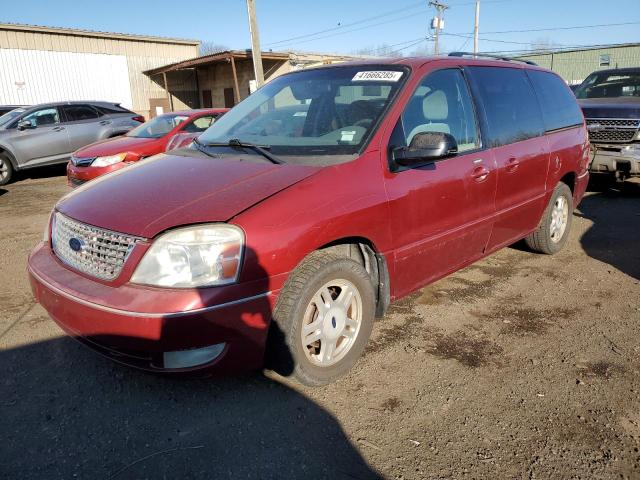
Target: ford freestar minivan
[(292, 222)]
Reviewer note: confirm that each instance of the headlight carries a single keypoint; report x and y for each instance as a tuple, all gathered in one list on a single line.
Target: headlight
[(198, 256), (108, 160)]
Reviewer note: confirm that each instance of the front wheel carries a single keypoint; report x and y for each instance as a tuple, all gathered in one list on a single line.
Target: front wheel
[(553, 231), (324, 317), (6, 170)]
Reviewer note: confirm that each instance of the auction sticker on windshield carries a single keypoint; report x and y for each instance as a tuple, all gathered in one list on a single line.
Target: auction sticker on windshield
[(376, 76)]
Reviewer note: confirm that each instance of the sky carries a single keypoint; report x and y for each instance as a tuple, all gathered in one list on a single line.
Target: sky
[(348, 26)]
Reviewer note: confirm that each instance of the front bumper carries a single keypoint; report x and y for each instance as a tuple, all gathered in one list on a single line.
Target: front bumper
[(616, 158), (76, 176), (137, 325)]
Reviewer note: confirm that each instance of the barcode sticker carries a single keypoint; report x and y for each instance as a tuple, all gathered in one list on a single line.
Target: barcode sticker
[(377, 76)]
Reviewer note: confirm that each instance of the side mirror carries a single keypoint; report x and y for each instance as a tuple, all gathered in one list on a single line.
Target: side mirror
[(25, 124), (424, 147)]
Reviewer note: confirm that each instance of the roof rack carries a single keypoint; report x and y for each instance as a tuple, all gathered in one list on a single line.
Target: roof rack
[(486, 55)]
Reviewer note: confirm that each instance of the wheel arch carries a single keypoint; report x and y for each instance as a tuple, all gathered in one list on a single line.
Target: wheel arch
[(5, 151), (569, 179), (364, 251)]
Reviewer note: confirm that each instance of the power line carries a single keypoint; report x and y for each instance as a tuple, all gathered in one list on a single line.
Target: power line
[(564, 28), (347, 25)]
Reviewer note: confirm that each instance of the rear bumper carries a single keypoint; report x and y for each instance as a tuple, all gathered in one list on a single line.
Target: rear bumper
[(76, 176), (615, 158), (141, 337)]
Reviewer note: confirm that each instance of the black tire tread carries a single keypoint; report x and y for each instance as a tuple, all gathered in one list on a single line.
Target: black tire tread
[(540, 240)]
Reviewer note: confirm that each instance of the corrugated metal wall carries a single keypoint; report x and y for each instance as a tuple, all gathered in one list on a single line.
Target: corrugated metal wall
[(29, 77), (140, 55), (574, 66)]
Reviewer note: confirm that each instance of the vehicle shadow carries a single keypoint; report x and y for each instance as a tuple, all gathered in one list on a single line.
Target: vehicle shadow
[(3, 191), (41, 172), (615, 235), (69, 413)]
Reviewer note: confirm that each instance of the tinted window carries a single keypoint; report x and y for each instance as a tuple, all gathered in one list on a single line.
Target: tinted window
[(512, 110), (442, 104), (200, 124), (46, 116), (75, 113), (111, 109), (158, 127), (559, 106)]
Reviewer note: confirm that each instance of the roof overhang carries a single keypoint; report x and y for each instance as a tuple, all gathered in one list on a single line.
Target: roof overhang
[(220, 57)]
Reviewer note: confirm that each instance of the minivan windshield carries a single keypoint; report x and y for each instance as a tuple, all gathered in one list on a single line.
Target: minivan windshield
[(10, 115), (610, 85), (313, 114), (158, 127)]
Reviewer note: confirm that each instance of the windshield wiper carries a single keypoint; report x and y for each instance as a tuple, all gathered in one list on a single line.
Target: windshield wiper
[(201, 148), (235, 143)]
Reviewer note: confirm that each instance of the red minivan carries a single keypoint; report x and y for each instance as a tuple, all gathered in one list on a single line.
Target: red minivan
[(162, 133), (291, 223)]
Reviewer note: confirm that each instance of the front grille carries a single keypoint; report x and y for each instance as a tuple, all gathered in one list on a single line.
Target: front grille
[(612, 130), (75, 182), (95, 251)]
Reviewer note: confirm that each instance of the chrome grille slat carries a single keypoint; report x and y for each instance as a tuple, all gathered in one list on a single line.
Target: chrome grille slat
[(615, 130), (104, 252)]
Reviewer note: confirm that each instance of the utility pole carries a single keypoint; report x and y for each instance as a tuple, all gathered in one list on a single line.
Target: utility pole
[(255, 43), (440, 7), (475, 28)]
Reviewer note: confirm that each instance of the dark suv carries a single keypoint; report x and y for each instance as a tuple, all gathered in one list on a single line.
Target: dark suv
[(610, 100), (48, 133), (297, 217)]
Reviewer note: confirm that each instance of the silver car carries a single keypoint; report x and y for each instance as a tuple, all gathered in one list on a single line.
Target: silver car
[(47, 134)]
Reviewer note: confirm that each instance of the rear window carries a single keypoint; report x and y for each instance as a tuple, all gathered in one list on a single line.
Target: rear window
[(512, 110), (111, 109), (559, 106)]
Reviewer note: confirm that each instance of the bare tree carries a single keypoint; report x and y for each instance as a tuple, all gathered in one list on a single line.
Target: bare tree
[(384, 50), (544, 44), (209, 48)]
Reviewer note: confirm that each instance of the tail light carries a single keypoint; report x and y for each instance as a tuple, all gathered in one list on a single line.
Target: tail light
[(138, 118)]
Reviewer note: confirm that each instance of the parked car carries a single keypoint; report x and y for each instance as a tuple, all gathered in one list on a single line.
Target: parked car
[(610, 100), (7, 108), (290, 241), (165, 132), (46, 134)]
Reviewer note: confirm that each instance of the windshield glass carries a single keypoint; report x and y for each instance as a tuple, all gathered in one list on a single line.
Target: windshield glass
[(158, 127), (314, 113), (10, 115), (610, 85)]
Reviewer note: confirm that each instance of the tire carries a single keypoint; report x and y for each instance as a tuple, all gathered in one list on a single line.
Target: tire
[(6, 169), (550, 236), (301, 303)]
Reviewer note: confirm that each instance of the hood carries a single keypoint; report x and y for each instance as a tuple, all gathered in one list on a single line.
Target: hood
[(617, 107), (112, 146), (172, 190)]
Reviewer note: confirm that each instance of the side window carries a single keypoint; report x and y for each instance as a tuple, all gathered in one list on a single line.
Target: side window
[(199, 124), (442, 103), (75, 113), (46, 116), (512, 110), (559, 106)]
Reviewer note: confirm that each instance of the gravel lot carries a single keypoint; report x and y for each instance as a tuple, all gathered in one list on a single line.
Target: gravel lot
[(521, 366)]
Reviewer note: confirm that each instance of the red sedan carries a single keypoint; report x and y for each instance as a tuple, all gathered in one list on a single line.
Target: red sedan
[(165, 132)]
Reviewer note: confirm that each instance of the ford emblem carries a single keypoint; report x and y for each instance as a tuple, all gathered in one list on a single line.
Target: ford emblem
[(76, 244)]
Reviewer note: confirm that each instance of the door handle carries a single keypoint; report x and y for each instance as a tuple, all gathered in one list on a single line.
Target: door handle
[(512, 164), (105, 122), (58, 129), (480, 173)]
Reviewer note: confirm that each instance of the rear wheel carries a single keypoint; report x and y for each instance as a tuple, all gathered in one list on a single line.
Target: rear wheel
[(324, 317), (554, 227), (6, 170)]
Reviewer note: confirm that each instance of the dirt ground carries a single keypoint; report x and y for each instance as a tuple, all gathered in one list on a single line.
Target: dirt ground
[(521, 366)]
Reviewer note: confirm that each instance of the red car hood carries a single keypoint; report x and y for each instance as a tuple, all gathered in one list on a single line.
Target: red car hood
[(169, 190), (111, 146)]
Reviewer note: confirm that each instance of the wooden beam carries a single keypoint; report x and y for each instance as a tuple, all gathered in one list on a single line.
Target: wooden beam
[(235, 80), (166, 87)]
